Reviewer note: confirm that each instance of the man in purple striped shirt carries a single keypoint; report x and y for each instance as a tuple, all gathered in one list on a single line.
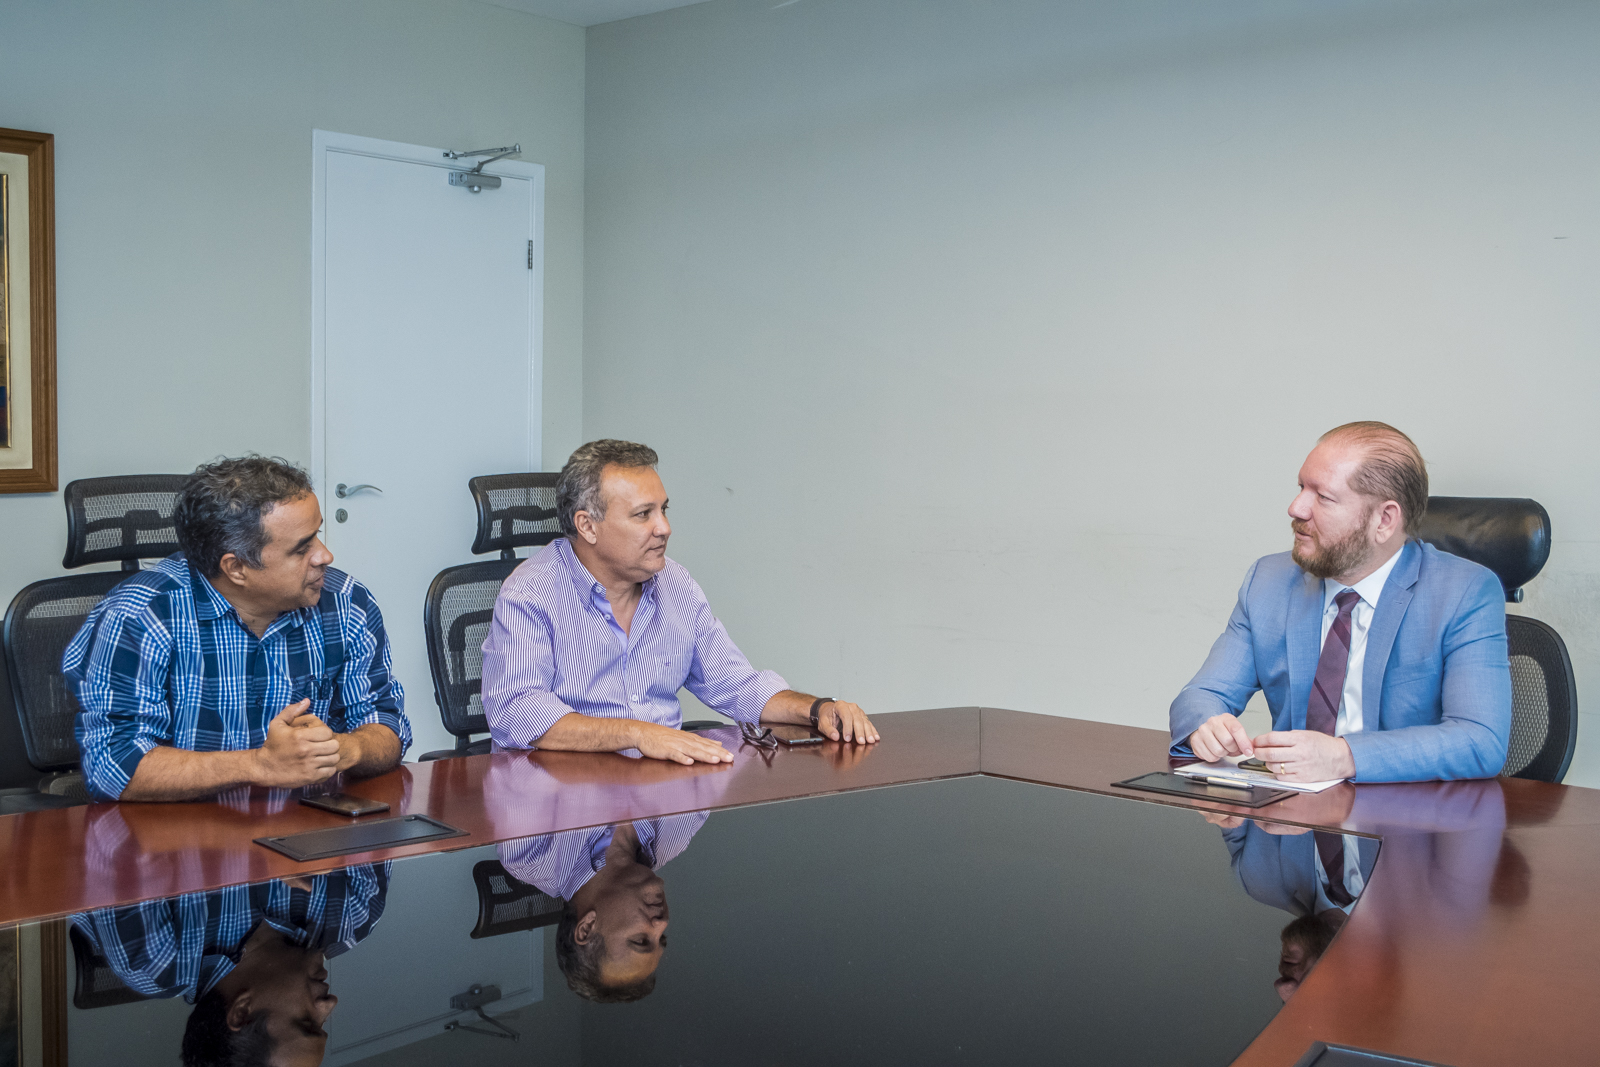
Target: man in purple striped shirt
[(593, 637)]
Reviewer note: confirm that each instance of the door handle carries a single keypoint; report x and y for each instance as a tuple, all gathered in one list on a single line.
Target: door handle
[(341, 490)]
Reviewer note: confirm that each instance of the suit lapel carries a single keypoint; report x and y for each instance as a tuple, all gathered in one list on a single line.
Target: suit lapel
[(1392, 604), (1305, 645)]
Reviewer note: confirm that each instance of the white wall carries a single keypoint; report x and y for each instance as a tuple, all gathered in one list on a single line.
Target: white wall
[(183, 210), (982, 342)]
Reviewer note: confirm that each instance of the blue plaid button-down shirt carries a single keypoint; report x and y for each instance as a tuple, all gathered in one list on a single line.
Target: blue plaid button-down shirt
[(187, 944), (166, 660)]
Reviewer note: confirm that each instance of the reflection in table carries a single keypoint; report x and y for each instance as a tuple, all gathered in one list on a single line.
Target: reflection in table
[(971, 920)]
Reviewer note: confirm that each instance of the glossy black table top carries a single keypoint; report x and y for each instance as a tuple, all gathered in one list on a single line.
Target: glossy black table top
[(972, 920)]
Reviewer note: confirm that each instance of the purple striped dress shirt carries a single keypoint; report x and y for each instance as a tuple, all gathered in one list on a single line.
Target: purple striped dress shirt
[(559, 865), (554, 647)]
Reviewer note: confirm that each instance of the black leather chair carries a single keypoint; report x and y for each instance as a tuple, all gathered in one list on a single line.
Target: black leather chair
[(123, 520), (514, 511), (506, 905), (1511, 536)]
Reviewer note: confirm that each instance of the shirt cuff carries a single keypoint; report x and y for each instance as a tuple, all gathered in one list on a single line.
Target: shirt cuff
[(395, 721), (521, 721), (751, 700), (108, 774)]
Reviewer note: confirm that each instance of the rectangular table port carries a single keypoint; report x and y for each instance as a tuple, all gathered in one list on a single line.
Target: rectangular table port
[(360, 837)]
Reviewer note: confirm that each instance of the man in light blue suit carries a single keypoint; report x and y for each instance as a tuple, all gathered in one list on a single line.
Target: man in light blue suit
[(1381, 658), (1279, 866)]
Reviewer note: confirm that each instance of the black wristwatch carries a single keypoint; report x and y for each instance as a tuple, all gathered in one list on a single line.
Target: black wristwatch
[(816, 705)]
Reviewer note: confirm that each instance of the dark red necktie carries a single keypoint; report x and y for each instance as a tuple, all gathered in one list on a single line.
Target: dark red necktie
[(1322, 714), (1322, 710)]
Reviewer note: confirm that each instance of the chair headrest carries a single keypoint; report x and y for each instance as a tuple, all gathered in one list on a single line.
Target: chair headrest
[(514, 510), (128, 517), (1509, 535)]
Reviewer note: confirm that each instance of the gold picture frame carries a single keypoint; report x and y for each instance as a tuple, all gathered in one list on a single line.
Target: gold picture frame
[(27, 312)]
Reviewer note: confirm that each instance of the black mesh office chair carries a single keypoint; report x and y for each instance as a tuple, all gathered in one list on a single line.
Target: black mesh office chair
[(122, 519), (108, 520), (95, 984), (1511, 537), (506, 905), (456, 619), (514, 511), (1544, 702)]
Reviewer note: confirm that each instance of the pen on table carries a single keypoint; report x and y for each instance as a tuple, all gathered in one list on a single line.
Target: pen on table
[(1228, 782)]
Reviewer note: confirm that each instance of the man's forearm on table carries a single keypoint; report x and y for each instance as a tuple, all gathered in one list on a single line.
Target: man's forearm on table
[(377, 750), (167, 773), (788, 706), (574, 732)]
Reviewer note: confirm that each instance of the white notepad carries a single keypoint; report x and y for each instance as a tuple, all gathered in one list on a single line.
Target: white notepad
[(1255, 778)]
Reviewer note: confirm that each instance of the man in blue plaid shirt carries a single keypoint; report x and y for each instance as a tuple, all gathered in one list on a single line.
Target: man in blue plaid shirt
[(243, 660), (250, 958)]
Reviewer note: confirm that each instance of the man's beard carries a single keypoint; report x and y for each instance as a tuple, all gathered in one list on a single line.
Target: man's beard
[(1341, 557)]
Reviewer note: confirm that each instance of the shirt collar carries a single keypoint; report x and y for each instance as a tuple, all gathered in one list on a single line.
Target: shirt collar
[(210, 604), (1368, 588), (215, 966), (584, 582), (644, 830), (589, 588)]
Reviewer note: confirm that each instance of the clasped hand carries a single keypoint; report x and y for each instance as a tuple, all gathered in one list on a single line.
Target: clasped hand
[(301, 750), (1291, 755)]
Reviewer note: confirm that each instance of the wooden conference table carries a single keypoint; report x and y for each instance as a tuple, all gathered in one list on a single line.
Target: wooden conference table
[(1436, 962)]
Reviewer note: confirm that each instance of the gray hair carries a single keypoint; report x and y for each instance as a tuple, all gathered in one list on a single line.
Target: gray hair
[(578, 488), (221, 505)]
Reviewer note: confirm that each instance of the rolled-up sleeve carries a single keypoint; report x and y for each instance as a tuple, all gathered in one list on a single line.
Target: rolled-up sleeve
[(117, 667), (519, 673), (368, 691), (721, 677), (141, 943)]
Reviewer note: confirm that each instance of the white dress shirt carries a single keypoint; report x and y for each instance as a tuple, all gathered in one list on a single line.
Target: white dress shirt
[(1368, 589)]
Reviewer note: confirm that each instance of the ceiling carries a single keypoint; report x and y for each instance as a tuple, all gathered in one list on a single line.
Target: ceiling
[(591, 12)]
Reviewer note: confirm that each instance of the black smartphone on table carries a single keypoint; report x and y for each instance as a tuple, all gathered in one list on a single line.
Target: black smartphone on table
[(796, 735), (345, 804)]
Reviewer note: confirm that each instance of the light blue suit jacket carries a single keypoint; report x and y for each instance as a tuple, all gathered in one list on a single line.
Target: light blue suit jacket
[(1436, 681), (1281, 870)]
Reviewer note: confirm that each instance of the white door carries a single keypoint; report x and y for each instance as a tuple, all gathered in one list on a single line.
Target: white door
[(425, 369), (386, 1001)]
